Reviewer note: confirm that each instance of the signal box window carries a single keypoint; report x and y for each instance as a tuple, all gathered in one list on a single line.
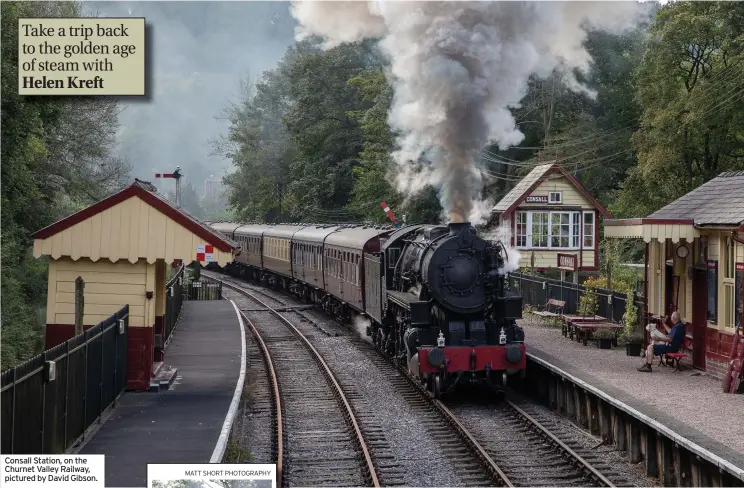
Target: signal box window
[(554, 197)]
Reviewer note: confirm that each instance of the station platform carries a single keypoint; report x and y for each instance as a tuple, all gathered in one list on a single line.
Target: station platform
[(183, 424), (688, 402)]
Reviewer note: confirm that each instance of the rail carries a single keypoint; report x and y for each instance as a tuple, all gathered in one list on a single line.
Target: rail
[(276, 398), (327, 372), (50, 401)]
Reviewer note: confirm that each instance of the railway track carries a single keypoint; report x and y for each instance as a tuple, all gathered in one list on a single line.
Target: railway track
[(507, 445), (318, 441)]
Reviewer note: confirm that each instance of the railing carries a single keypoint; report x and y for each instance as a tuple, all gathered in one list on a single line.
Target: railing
[(173, 301), (204, 289), (536, 291), (49, 401)]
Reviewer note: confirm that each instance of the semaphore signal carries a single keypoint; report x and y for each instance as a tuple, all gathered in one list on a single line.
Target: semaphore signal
[(177, 176)]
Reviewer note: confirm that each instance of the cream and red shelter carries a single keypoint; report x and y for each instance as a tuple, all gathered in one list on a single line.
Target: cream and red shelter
[(121, 247), (695, 264), (553, 220)]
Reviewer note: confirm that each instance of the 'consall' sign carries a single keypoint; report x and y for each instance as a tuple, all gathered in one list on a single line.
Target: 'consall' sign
[(567, 262)]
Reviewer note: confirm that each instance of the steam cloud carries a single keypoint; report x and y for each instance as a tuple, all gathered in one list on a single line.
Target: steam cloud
[(503, 234), (361, 324), (457, 69)]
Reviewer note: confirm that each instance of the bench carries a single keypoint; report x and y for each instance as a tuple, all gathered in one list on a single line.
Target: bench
[(675, 358), (556, 305), (569, 321), (584, 329)]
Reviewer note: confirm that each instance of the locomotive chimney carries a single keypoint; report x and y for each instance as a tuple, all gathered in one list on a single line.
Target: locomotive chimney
[(457, 227)]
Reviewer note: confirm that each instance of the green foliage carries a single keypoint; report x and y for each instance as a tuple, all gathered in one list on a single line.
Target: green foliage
[(588, 305), (692, 123), (603, 334), (56, 158)]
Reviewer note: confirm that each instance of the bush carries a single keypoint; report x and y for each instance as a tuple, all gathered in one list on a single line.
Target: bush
[(604, 334), (588, 305), (630, 335)]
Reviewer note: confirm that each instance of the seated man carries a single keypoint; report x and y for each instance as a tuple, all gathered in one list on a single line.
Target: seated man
[(674, 341)]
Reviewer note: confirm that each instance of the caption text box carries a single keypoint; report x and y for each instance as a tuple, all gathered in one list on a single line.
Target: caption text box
[(53, 470), (81, 56)]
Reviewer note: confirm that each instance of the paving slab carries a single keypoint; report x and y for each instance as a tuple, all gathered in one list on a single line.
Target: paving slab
[(688, 402), (182, 424)]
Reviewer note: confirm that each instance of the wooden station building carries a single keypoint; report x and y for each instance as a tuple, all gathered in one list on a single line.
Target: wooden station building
[(121, 248), (553, 221), (695, 264)]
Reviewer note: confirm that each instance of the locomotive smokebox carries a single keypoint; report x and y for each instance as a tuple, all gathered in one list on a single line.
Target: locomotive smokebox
[(457, 227)]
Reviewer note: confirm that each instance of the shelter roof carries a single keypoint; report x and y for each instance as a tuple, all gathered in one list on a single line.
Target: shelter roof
[(718, 202), (533, 179), (133, 223), (147, 192)]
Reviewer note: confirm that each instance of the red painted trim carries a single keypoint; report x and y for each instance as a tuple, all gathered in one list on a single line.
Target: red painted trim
[(139, 358), (56, 334), (581, 240), (514, 230), (148, 197), (558, 169), (159, 353), (645, 293), (458, 358), (643, 221), (596, 239)]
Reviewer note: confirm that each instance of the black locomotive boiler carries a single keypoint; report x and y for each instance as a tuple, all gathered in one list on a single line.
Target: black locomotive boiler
[(433, 297), (448, 309)]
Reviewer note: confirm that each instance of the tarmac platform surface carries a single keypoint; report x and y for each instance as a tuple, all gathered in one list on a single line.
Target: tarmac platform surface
[(689, 402), (181, 425)]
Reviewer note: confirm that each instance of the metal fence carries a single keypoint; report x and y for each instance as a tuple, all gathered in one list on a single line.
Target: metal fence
[(204, 288), (49, 401), (536, 291), (173, 301)]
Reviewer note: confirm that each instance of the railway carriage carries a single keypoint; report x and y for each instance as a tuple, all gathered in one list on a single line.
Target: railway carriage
[(307, 260), (250, 239), (277, 251), (344, 252)]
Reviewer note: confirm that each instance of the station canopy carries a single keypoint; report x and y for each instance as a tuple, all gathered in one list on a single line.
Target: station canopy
[(132, 224), (718, 204)]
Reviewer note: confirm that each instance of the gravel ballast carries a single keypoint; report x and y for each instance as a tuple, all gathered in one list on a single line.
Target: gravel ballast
[(689, 397)]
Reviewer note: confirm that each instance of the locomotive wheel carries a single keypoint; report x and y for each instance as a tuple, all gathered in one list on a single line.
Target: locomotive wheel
[(436, 386)]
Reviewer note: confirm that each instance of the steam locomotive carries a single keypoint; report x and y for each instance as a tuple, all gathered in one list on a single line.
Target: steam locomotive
[(433, 298)]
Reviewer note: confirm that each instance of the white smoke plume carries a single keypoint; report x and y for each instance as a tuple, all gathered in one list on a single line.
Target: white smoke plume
[(361, 324), (457, 69), (503, 233)]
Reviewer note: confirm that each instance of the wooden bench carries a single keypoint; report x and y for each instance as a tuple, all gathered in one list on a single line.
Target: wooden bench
[(583, 330), (556, 305), (569, 321)]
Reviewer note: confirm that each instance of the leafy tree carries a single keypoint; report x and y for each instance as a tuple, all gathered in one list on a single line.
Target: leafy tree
[(689, 85), (56, 157)]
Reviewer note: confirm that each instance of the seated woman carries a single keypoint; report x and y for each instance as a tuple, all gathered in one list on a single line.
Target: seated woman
[(674, 340)]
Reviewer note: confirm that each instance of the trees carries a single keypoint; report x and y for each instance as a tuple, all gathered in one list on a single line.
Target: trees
[(690, 88), (56, 157), (661, 113)]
